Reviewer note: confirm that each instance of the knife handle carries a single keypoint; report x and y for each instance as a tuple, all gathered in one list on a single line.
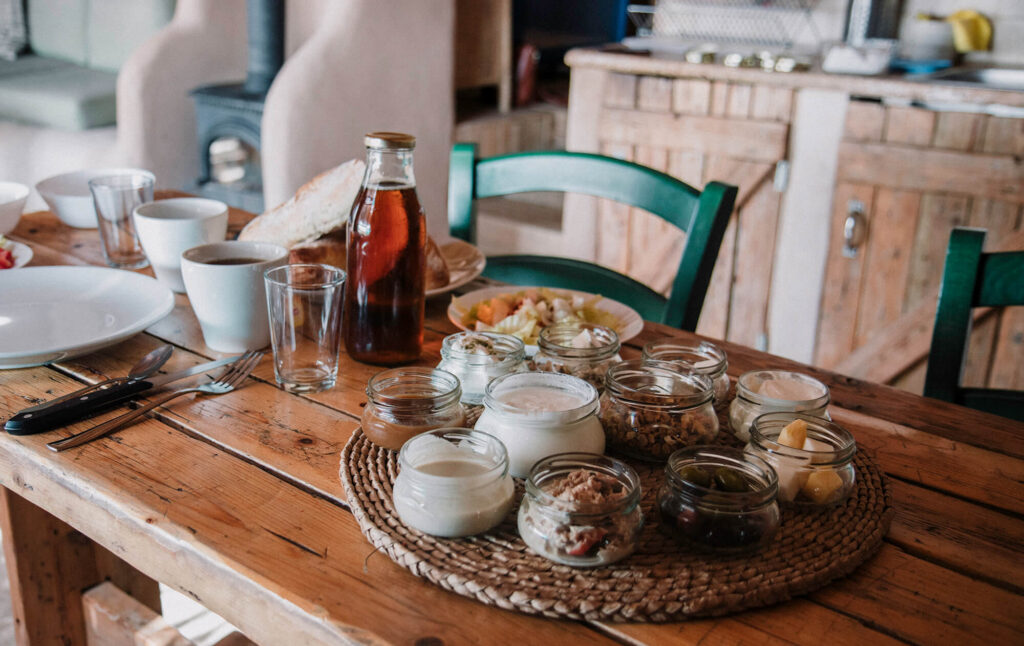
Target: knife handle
[(73, 410)]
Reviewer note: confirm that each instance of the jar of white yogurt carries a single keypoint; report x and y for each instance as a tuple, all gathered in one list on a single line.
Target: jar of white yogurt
[(477, 358), (537, 414), (775, 391), (453, 482)]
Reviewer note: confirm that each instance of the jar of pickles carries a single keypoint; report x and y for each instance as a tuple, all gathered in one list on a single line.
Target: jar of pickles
[(404, 402), (583, 350), (704, 358), (774, 391), (581, 509), (477, 358), (812, 457), (649, 409), (719, 498)]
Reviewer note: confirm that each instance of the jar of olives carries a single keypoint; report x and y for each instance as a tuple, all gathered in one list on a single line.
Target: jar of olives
[(704, 358), (719, 498), (583, 350)]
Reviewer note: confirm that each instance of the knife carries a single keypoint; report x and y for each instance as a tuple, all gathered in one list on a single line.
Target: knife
[(29, 422)]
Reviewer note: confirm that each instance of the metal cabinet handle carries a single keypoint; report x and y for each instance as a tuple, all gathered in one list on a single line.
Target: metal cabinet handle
[(855, 229)]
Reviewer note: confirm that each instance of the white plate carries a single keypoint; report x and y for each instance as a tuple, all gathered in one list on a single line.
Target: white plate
[(22, 253), (630, 322), (49, 314), (465, 262)]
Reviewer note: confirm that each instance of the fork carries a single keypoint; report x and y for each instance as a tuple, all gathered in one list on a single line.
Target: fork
[(232, 377)]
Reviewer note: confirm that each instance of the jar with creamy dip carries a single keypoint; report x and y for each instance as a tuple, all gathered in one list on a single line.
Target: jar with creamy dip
[(774, 391), (583, 350), (453, 482), (817, 473), (581, 509), (650, 409), (477, 358), (537, 414), (404, 402), (704, 358), (719, 499)]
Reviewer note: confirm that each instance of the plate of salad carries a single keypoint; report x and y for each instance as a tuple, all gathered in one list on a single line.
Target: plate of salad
[(525, 311), (13, 254)]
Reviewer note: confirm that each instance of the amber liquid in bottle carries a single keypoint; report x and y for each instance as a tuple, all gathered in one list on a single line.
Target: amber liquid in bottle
[(385, 289)]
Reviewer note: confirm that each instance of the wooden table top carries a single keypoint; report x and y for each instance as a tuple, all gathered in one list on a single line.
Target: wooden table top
[(236, 501)]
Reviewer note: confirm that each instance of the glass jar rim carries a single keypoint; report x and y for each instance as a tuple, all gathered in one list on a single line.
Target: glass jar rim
[(745, 389), (751, 465), (492, 448), (765, 429), (556, 381), (511, 349), (657, 349), (621, 383), (553, 338), (564, 463), (414, 388)]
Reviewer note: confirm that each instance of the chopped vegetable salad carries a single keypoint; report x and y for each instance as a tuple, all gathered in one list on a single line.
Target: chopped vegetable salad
[(525, 313)]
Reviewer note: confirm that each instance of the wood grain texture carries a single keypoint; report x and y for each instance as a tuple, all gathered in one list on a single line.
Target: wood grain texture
[(691, 96), (912, 126), (114, 618)]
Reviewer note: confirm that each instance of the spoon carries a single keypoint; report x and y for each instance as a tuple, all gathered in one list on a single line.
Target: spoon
[(145, 367)]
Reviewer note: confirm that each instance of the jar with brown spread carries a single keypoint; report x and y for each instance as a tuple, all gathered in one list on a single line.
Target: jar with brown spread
[(404, 402)]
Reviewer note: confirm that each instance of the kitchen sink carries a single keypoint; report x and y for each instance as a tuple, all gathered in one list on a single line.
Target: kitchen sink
[(990, 77)]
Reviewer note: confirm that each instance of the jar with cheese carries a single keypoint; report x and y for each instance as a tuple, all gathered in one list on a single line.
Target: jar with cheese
[(537, 414), (775, 391), (583, 350), (812, 456), (704, 358), (477, 358), (453, 482), (404, 402)]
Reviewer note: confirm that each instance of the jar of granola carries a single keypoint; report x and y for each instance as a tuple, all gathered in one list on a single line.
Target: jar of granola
[(583, 350), (718, 498), (581, 509), (404, 402), (650, 409), (704, 358), (775, 391), (477, 358)]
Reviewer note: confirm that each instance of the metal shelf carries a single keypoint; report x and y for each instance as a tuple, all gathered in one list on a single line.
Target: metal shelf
[(759, 23)]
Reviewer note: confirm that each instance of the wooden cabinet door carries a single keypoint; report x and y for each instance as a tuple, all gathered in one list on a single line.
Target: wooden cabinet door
[(914, 174)]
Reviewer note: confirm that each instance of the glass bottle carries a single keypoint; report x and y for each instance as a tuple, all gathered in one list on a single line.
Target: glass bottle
[(387, 232)]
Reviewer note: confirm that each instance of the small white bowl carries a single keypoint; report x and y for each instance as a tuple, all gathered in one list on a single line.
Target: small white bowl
[(12, 201), (69, 198)]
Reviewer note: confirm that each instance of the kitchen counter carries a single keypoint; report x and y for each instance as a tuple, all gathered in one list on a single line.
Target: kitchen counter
[(615, 58)]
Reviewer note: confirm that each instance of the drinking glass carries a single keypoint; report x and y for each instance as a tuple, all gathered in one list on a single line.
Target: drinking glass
[(304, 304), (115, 198)]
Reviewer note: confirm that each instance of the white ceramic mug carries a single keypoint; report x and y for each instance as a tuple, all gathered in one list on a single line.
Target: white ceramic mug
[(167, 228), (224, 282)]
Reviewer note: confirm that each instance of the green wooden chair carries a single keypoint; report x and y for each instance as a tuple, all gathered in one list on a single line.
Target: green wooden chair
[(702, 215), (971, 279)]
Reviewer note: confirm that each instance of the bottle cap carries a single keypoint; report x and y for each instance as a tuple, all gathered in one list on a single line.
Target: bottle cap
[(389, 141)]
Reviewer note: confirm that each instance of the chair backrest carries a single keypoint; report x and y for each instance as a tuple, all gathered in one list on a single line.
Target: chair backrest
[(971, 279), (703, 216)]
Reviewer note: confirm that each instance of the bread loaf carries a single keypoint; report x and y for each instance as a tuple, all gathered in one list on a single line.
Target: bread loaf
[(328, 250), (319, 207)]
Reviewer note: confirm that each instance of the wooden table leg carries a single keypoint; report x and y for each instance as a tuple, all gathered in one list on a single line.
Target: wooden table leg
[(50, 564)]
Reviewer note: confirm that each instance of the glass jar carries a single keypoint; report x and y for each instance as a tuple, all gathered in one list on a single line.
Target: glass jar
[(385, 294), (704, 358), (581, 509), (775, 391), (719, 498), (583, 350), (820, 473), (404, 402), (453, 482), (649, 409), (477, 358), (537, 414)]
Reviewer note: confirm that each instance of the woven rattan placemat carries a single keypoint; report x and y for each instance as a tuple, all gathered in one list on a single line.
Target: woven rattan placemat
[(659, 582)]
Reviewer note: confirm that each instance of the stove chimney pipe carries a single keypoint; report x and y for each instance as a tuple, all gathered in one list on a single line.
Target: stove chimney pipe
[(266, 44)]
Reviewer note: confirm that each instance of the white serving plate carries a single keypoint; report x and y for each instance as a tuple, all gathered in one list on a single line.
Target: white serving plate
[(50, 314), (630, 321), (465, 262)]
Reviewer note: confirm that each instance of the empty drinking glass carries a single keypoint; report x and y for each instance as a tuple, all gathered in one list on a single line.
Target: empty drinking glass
[(115, 197), (304, 305)]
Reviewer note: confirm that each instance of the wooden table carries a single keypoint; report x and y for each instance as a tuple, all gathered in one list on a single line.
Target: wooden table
[(235, 500)]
